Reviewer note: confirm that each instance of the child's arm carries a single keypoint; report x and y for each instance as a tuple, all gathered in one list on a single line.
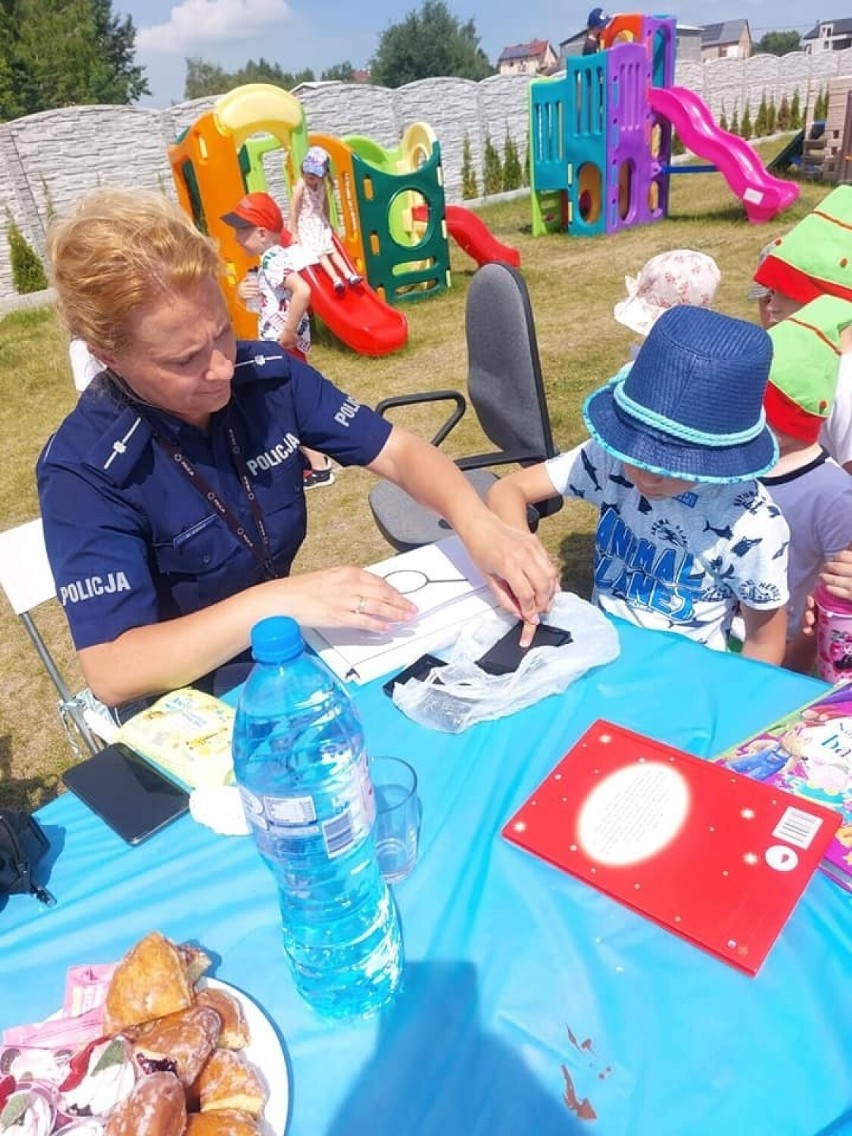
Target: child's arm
[(296, 205), (509, 497), (765, 633), (300, 298)]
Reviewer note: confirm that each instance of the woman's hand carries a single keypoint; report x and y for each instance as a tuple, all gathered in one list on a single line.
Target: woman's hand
[(518, 567), (342, 597)]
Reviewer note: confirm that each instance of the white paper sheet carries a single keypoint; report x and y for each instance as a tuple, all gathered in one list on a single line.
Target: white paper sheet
[(455, 593)]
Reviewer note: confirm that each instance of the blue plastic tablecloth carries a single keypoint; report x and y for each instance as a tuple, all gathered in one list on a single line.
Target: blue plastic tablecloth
[(516, 973)]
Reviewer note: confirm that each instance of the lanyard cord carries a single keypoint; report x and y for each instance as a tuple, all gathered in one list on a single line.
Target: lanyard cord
[(206, 490)]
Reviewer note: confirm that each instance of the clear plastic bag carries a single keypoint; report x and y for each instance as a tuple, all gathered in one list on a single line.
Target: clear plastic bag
[(461, 693)]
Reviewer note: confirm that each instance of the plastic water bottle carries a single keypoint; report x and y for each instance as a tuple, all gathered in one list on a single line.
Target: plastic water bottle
[(834, 636), (303, 774)]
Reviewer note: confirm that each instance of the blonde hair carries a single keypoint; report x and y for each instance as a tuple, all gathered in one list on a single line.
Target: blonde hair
[(116, 251)]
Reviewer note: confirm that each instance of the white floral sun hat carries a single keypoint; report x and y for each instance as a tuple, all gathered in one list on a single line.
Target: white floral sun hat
[(681, 276)]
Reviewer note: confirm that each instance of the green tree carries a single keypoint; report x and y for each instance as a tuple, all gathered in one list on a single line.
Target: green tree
[(345, 72), (429, 42), (27, 269), (56, 53), (492, 169), (783, 119), (735, 121), (206, 78), (796, 111), (760, 119), (468, 173), (512, 173), (771, 117), (778, 43), (723, 119), (678, 147), (745, 125)]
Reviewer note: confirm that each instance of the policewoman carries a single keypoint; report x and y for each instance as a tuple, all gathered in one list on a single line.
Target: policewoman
[(172, 494)]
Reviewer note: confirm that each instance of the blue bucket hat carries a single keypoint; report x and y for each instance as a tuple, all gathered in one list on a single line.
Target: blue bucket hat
[(691, 405), (597, 18), (316, 161)]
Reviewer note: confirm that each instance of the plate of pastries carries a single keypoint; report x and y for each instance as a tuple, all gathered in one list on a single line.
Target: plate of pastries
[(181, 1055)]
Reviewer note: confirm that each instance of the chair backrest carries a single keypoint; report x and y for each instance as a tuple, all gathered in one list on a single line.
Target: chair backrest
[(25, 574), (27, 580), (504, 371)]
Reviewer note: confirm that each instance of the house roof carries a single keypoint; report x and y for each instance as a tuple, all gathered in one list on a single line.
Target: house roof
[(717, 35), (535, 49), (839, 27)]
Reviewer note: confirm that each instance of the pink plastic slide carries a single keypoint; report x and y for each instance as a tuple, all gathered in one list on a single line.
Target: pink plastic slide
[(359, 317), (474, 237), (763, 195)]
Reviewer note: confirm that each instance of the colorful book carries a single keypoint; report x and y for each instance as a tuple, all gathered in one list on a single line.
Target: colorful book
[(713, 856), (809, 752)]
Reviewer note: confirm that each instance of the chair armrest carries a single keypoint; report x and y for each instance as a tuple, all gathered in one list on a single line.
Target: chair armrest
[(453, 418)]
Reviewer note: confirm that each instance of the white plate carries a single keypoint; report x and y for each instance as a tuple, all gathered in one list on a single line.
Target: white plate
[(265, 1053)]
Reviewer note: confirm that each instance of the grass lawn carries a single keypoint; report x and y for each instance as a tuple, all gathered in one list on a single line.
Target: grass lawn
[(573, 284)]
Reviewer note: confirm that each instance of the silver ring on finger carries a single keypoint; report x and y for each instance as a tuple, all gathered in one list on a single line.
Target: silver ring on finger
[(361, 606)]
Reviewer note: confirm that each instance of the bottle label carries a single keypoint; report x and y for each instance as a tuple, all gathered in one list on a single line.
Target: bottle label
[(295, 818)]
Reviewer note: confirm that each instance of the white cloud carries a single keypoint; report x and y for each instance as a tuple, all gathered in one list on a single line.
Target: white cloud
[(195, 22)]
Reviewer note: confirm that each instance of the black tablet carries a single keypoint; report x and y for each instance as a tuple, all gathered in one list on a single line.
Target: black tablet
[(506, 654), (132, 797)]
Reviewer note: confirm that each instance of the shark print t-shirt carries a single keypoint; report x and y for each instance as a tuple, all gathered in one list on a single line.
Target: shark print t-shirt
[(682, 564)]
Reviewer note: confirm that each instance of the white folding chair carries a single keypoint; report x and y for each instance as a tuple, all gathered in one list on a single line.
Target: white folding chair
[(26, 579)]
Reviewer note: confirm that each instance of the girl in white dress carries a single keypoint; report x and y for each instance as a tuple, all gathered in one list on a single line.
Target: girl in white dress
[(309, 218)]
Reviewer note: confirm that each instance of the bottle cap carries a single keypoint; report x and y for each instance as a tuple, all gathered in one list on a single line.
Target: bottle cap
[(276, 640)]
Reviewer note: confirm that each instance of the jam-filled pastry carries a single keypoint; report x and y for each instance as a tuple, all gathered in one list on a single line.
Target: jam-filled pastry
[(222, 1122), (180, 1043), (229, 1081), (235, 1032), (156, 1107), (149, 982)]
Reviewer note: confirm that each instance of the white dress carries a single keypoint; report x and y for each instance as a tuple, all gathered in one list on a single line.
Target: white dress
[(314, 230)]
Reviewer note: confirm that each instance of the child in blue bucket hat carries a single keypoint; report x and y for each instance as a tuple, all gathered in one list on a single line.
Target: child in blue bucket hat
[(686, 533)]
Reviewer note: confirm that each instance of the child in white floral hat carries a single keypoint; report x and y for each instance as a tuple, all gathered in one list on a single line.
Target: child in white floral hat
[(680, 276), (309, 218)]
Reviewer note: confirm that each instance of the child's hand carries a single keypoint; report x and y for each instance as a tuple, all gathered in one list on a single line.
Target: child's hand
[(247, 288), (836, 575), (287, 339)]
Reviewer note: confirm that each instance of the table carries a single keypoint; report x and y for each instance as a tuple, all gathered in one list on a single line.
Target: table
[(516, 973)]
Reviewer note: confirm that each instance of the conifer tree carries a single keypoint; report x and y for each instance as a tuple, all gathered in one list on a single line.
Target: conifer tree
[(512, 175), (745, 125), (760, 119), (796, 111), (735, 121), (771, 117), (783, 119), (723, 118), (492, 169), (468, 173), (27, 270)]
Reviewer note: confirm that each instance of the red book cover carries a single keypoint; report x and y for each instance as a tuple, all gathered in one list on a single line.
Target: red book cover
[(712, 855)]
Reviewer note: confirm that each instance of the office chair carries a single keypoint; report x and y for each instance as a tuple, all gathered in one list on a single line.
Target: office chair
[(506, 390), (26, 579)]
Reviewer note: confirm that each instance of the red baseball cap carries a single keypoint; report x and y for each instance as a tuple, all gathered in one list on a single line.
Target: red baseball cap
[(255, 210)]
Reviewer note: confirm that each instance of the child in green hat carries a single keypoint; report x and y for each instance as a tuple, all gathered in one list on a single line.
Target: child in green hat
[(814, 494), (815, 259)]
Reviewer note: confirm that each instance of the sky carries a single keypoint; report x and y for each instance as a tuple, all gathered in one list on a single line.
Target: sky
[(297, 34)]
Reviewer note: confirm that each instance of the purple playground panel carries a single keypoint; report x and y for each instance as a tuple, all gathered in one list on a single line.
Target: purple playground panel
[(629, 172)]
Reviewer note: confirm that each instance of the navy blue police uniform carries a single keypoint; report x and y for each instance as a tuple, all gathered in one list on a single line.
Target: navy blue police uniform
[(131, 539)]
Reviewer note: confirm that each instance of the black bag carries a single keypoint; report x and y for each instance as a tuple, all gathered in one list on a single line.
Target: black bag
[(22, 845)]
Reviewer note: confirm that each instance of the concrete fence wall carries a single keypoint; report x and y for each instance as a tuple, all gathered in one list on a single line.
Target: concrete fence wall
[(47, 160)]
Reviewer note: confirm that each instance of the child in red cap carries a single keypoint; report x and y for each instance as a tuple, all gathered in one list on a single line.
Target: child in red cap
[(283, 295)]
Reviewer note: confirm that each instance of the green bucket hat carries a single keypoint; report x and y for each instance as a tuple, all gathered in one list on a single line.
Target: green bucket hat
[(805, 360), (814, 258)]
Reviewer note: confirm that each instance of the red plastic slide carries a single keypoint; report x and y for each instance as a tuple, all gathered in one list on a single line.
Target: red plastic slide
[(762, 194), (474, 237), (359, 318)]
